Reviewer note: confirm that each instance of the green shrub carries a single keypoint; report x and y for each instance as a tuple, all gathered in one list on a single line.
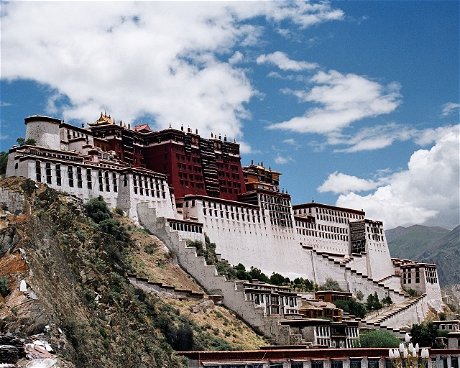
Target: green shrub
[(113, 227), (352, 306), (4, 287), (149, 249), (373, 302), (330, 284), (3, 162), (97, 209), (378, 339)]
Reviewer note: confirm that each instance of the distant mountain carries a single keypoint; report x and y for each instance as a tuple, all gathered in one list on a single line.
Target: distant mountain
[(431, 245)]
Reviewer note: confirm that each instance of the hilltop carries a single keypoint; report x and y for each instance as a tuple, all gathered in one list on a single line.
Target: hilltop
[(65, 280)]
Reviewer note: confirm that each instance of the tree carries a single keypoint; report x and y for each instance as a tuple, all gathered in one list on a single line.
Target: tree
[(255, 273), (302, 284), (352, 306), (3, 162), (4, 287), (387, 300), (330, 284), (359, 295), (277, 279), (373, 302), (378, 339), (21, 141), (97, 209), (241, 273), (424, 334)]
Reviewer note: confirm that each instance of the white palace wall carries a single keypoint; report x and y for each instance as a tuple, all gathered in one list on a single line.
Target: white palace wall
[(120, 188), (251, 241)]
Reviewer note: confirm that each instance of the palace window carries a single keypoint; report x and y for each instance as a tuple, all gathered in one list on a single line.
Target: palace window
[(48, 172), (101, 184), (79, 178), (38, 171), (58, 174), (114, 182), (70, 176), (89, 184)]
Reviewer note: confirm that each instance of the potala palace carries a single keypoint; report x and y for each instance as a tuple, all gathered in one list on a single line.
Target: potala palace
[(182, 186)]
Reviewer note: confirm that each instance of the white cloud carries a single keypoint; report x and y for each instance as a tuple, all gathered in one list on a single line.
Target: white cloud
[(343, 183), (343, 99), (427, 192), (282, 61), (236, 58), (245, 148), (4, 104), (449, 107), (137, 59), (282, 160), (372, 138), (431, 135), (291, 142)]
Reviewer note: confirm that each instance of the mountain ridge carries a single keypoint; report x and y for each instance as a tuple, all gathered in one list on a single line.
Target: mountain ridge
[(431, 245)]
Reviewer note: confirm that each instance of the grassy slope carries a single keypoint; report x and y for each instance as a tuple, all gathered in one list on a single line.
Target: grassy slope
[(70, 262)]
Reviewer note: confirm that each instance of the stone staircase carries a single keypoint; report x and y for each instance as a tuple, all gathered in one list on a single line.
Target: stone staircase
[(398, 314), (163, 289), (215, 284), (395, 294), (269, 326)]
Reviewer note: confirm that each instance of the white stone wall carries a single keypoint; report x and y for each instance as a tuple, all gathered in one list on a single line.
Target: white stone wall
[(379, 260), (414, 314), (250, 241), (117, 187), (207, 276), (45, 133), (359, 264)]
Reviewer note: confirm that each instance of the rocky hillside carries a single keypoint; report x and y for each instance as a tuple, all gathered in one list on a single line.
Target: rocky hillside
[(429, 244), (65, 294)]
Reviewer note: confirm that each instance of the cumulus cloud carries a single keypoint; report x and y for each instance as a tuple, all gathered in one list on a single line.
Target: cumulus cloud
[(343, 183), (282, 61), (136, 59), (449, 108), (427, 192), (342, 99)]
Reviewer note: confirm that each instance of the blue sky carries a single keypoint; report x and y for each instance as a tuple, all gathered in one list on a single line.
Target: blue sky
[(356, 103)]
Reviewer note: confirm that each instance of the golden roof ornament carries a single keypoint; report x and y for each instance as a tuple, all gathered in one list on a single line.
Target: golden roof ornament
[(104, 119)]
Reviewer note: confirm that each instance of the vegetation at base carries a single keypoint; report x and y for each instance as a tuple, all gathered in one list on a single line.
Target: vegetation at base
[(373, 302), (239, 272), (352, 306), (4, 287), (425, 334), (412, 292), (378, 339), (22, 142), (330, 284), (3, 162)]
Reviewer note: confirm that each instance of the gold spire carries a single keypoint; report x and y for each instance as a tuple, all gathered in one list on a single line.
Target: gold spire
[(104, 119)]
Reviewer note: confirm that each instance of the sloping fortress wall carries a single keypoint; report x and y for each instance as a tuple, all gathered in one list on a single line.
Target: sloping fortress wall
[(255, 224)]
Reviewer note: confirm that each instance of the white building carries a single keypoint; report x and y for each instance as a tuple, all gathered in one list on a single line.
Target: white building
[(262, 229)]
